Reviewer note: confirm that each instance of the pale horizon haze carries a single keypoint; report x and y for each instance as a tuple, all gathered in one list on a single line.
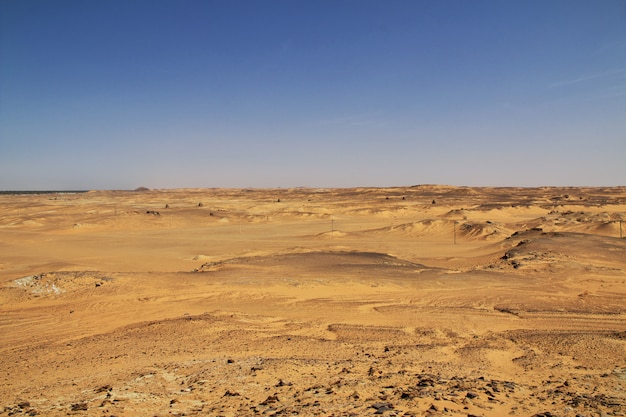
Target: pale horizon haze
[(170, 94)]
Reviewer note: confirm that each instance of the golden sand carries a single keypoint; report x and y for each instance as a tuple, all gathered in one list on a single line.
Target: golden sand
[(426, 300)]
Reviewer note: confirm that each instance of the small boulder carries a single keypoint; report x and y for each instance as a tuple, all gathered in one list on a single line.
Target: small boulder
[(79, 407)]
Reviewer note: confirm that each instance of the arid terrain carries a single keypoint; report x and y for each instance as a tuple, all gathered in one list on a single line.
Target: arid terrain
[(414, 301)]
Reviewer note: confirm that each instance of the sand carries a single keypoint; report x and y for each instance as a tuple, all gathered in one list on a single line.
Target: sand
[(410, 301)]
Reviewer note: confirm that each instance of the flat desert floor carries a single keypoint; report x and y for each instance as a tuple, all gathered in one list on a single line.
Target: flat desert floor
[(413, 301)]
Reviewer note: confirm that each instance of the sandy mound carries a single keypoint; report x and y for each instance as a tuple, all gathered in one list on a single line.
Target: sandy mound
[(331, 235), (428, 227), (485, 231), (303, 263), (536, 249)]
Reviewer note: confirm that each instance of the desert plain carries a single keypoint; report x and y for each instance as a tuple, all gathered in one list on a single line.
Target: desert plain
[(410, 301)]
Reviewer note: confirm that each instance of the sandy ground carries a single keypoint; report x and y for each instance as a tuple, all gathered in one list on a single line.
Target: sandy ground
[(425, 300)]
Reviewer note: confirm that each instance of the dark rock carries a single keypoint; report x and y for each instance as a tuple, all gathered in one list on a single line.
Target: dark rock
[(406, 395), (378, 406), (509, 385), (282, 383), (426, 382), (230, 393), (79, 407), (471, 395)]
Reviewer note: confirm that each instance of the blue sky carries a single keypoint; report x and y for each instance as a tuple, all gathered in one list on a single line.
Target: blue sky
[(118, 94)]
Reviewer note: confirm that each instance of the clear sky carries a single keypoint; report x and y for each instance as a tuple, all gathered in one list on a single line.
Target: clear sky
[(118, 94)]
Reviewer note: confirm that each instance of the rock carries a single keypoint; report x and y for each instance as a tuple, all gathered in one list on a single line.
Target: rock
[(406, 395), (79, 407), (471, 395), (282, 383), (270, 400), (104, 388), (379, 406), (230, 393)]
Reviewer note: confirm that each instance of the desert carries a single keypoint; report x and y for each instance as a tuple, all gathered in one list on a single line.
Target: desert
[(426, 300)]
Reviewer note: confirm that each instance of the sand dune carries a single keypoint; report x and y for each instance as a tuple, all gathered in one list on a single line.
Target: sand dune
[(405, 301)]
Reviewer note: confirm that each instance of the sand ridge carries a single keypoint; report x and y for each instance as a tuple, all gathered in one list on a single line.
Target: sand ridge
[(425, 300)]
